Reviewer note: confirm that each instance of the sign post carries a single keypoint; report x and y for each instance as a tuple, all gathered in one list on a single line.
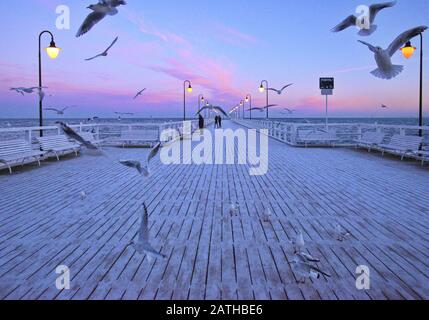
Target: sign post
[(327, 86)]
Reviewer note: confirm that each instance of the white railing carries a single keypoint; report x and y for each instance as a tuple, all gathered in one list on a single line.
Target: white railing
[(101, 130), (347, 132)]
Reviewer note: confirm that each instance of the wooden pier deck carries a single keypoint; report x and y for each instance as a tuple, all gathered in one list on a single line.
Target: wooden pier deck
[(211, 254)]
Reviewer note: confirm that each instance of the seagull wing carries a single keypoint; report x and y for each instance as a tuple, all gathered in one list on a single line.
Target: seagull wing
[(270, 106), (404, 38), (376, 8), (287, 86), (346, 23), (91, 20), (144, 229), (95, 57), (204, 108), (370, 46), (113, 43), (52, 109), (221, 110), (154, 152)]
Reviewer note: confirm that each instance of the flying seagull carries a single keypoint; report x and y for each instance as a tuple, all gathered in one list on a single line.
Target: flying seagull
[(139, 93), (69, 132), (58, 111), (288, 111), (143, 245), (142, 169), (383, 58), (262, 109), (279, 92), (384, 106), (23, 90), (105, 52), (213, 108), (352, 20), (304, 270), (99, 12)]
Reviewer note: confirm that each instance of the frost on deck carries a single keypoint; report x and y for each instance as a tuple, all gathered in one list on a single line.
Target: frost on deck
[(211, 254)]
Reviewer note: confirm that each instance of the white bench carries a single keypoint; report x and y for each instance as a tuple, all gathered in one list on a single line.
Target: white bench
[(370, 140), (422, 155), (18, 152), (402, 145), (137, 138), (317, 137), (58, 145)]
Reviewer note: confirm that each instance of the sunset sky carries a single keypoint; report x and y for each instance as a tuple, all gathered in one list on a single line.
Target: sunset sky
[(224, 47)]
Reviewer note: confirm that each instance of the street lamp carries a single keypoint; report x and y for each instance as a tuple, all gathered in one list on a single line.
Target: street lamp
[(408, 51), (189, 89), (53, 51), (249, 100), (200, 100), (262, 89), (242, 105)]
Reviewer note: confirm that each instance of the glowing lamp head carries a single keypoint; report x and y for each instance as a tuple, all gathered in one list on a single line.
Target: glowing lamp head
[(408, 50), (53, 51), (202, 99), (247, 99), (261, 89), (190, 89)]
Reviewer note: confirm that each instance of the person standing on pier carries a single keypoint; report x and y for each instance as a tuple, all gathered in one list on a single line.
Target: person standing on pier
[(201, 122)]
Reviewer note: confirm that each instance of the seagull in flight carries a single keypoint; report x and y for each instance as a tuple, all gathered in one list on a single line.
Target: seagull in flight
[(141, 168), (69, 132), (384, 106), (288, 111), (263, 108), (213, 108), (23, 90), (105, 52), (279, 92), (139, 93), (352, 20), (59, 111), (383, 58), (143, 245), (124, 113), (99, 12)]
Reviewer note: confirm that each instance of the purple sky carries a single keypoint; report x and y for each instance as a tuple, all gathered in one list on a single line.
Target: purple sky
[(224, 47)]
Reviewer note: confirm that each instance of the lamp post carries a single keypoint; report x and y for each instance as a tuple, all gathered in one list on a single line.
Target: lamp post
[(189, 89), (200, 99), (262, 89), (249, 100), (408, 52), (53, 53), (242, 106)]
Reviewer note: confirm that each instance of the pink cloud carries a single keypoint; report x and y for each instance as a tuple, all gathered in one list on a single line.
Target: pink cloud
[(233, 36)]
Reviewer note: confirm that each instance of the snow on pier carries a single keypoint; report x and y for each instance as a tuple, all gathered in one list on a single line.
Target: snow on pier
[(211, 254)]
